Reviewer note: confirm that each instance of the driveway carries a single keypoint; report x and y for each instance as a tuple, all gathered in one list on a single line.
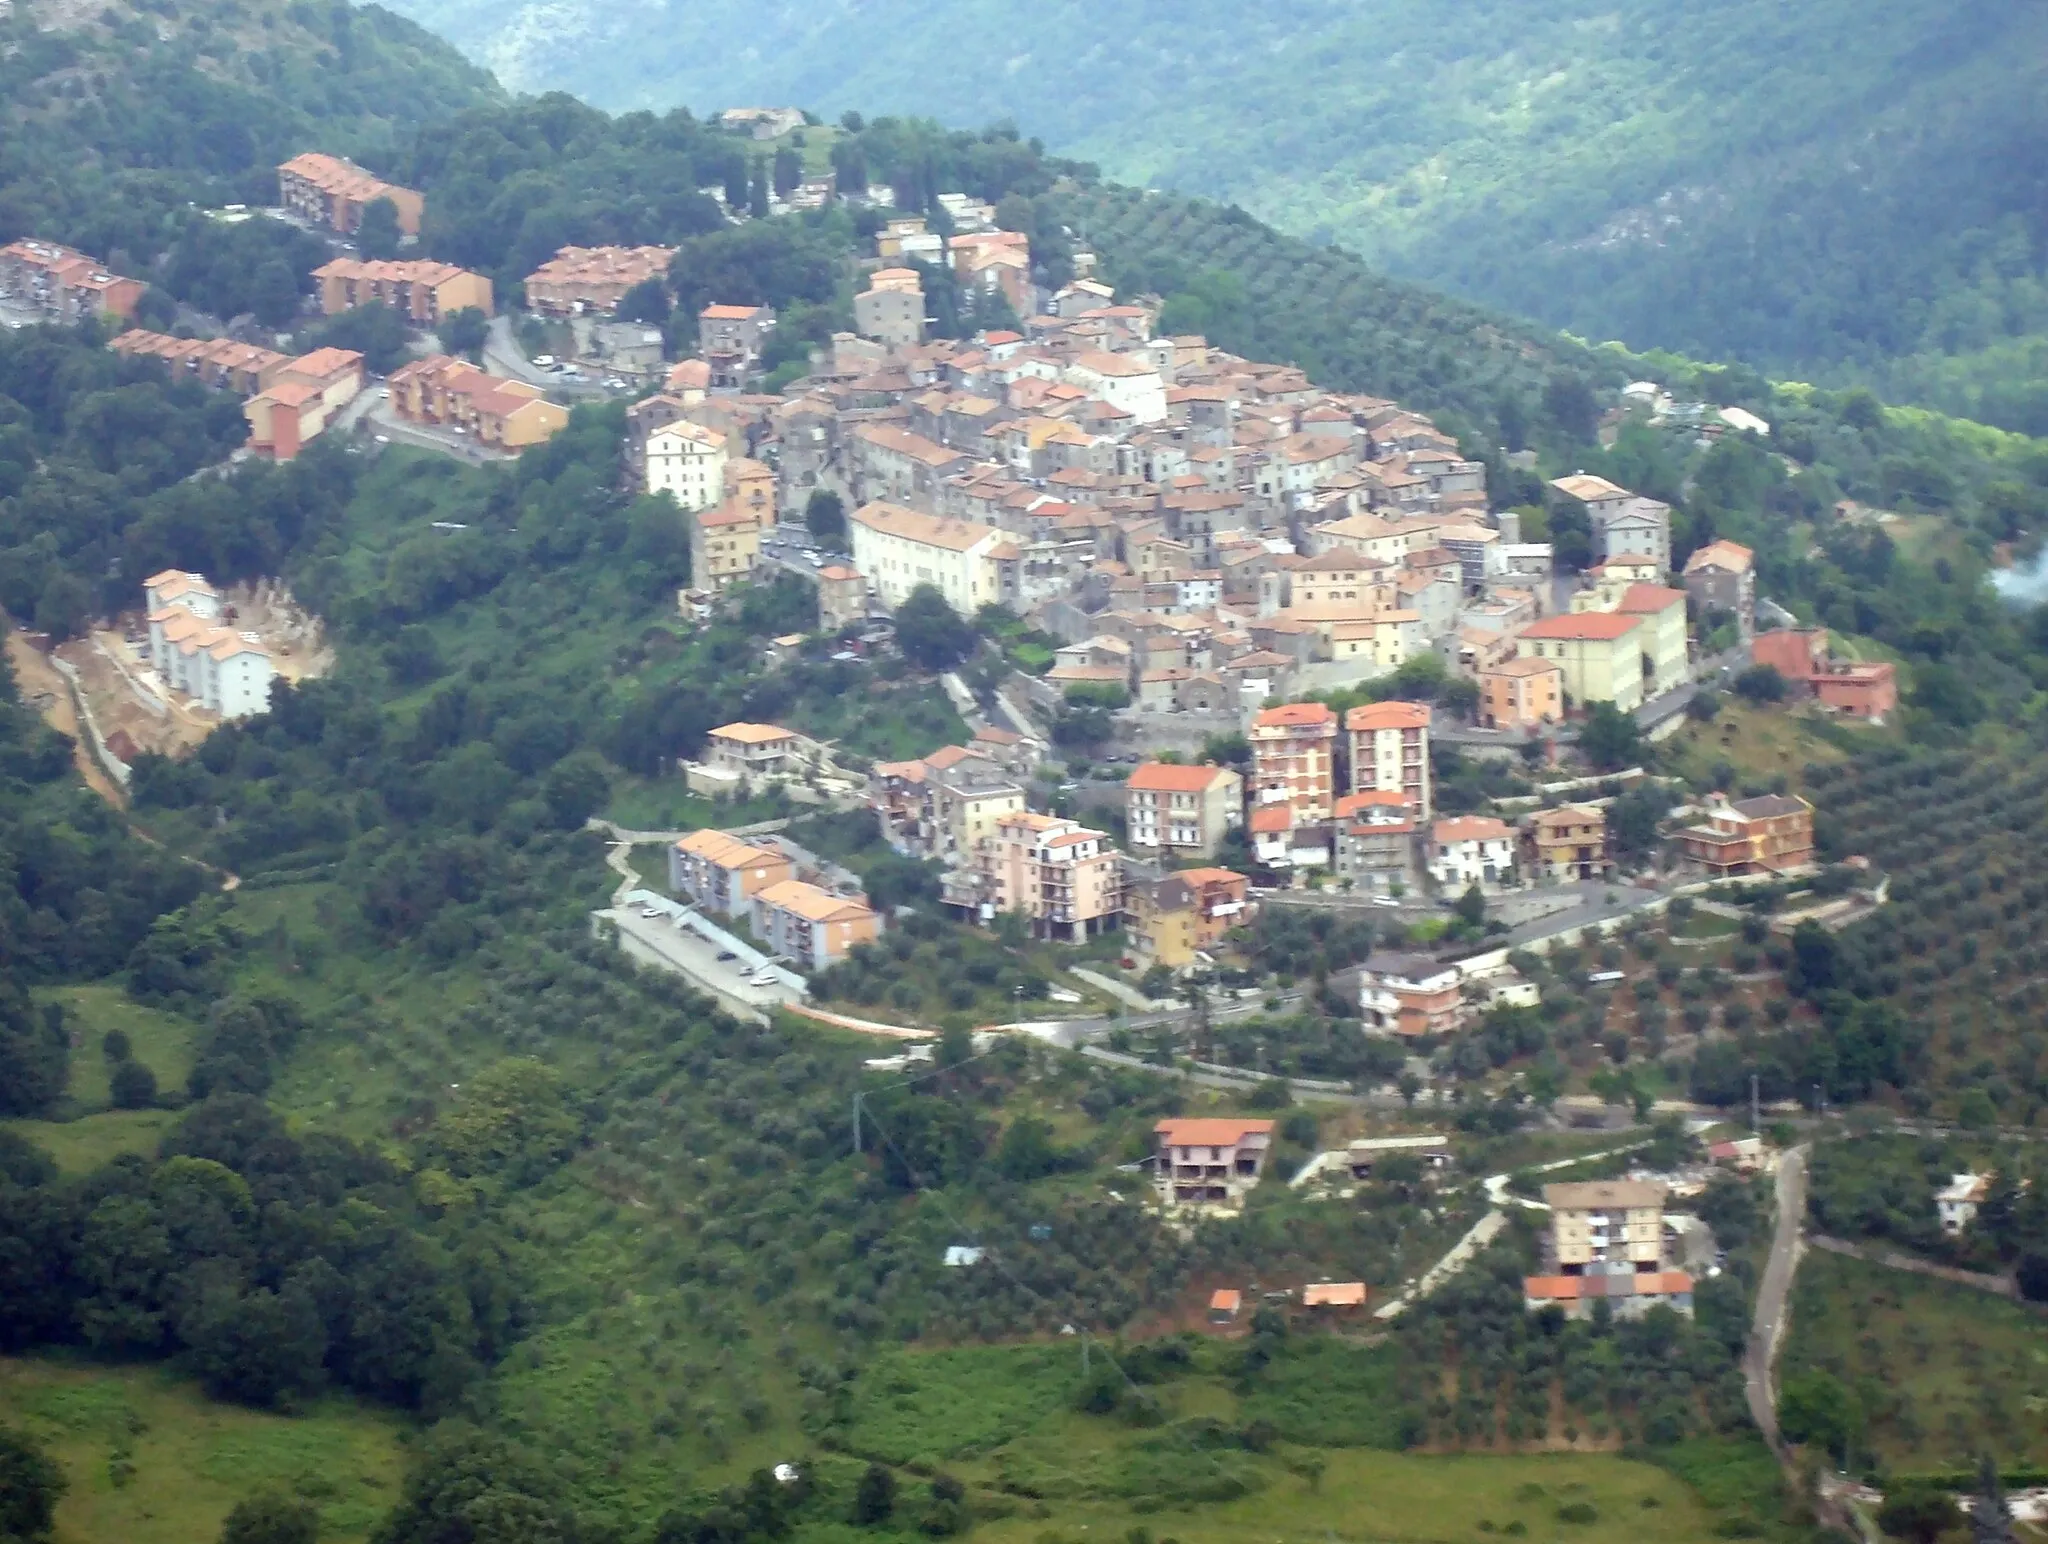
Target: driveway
[(1772, 1296)]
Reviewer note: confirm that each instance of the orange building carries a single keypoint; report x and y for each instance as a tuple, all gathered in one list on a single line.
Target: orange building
[(507, 415), (1066, 879), (218, 362), (1521, 693), (723, 872), (301, 400), (64, 285), (1802, 656), (1766, 835), (329, 191), (421, 291), (812, 926), (577, 280), (1294, 758)]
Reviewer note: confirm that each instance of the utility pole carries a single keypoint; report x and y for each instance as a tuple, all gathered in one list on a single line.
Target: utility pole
[(856, 1123)]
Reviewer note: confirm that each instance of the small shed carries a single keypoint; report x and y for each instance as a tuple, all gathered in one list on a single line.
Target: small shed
[(1224, 1305)]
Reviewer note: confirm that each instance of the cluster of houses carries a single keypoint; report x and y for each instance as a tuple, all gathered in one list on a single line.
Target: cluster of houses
[(810, 922)]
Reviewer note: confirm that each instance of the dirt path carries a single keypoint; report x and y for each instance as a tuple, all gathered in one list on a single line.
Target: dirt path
[(38, 679)]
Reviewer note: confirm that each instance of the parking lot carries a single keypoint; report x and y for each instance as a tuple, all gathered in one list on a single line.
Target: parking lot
[(730, 972)]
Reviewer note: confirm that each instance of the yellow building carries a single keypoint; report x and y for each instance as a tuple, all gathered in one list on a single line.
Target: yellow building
[(1610, 1219), (725, 542), (422, 291), (1570, 842), (1600, 653), (898, 549)]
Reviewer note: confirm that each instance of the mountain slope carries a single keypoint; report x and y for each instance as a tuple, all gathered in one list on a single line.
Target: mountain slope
[(113, 116), (1844, 189)]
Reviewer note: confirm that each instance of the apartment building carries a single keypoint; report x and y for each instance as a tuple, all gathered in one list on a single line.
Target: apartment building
[(1471, 850), (812, 926), (1208, 1161), (301, 400), (63, 285), (945, 806), (1607, 1221), (732, 339), (420, 290), (1182, 810), (687, 462), (723, 874), (1569, 843), (1066, 879), (897, 549), (1294, 758), (1389, 744), (1521, 693), (327, 190), (1721, 576), (585, 281), (1599, 653), (726, 543), (1865, 689), (1766, 835), (220, 363), (891, 309), (224, 671), (1171, 917), (1410, 995), (1375, 842), (499, 413)]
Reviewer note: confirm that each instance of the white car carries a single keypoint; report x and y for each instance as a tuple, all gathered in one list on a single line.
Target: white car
[(1384, 900)]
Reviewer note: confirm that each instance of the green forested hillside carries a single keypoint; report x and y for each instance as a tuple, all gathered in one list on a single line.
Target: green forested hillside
[(113, 117), (1836, 190)]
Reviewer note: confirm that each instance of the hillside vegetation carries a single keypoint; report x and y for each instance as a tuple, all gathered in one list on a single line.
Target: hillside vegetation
[(1832, 190)]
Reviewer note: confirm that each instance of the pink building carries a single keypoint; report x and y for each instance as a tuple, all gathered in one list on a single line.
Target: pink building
[(1065, 877)]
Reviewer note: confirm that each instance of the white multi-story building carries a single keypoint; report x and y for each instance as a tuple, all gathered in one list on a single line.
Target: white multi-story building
[(1471, 850), (227, 672), (687, 462), (1390, 751), (897, 549), (1128, 381)]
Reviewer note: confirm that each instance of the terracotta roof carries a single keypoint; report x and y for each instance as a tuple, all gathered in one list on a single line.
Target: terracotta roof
[(1583, 626), (1588, 489), (1165, 777), (1210, 876), (1209, 1131), (930, 530), (1291, 714), (1721, 554), (1389, 715), (1333, 1294), (1268, 819), (1368, 799), (813, 904), (1528, 665), (1551, 1289), (1225, 1300), (730, 313), (752, 734), (1649, 599), (1470, 828)]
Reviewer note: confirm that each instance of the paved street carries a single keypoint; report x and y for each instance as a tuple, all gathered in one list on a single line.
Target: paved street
[(1772, 1296)]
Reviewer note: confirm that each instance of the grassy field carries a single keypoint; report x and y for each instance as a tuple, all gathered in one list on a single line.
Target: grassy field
[(1761, 744), (151, 1460), (162, 1042), (1941, 1372), (82, 1145), (1003, 1419)]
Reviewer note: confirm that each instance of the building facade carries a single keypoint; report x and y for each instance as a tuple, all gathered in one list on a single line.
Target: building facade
[(1765, 835), (722, 873), (1294, 758), (1471, 850), (1390, 751), (1521, 693), (1599, 653), (1410, 995), (1182, 810), (421, 291), (327, 190), (897, 549), (580, 281), (1569, 843), (814, 927), (1209, 1161), (1065, 879), (1606, 1220), (687, 462)]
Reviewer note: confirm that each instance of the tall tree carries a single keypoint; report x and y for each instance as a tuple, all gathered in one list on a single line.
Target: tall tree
[(30, 1483), (379, 235)]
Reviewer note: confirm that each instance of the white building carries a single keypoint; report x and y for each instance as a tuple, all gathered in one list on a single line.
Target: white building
[(227, 672), (1127, 381), (897, 549), (687, 461), (1471, 850), (1957, 1203)]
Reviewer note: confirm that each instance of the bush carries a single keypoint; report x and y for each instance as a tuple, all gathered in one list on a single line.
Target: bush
[(1578, 1512)]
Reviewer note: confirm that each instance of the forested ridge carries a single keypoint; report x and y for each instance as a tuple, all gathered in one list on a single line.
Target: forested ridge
[(1830, 191)]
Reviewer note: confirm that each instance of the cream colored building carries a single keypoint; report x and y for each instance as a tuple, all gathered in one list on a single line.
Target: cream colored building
[(1294, 758), (1065, 878), (725, 542), (687, 462), (1600, 653), (897, 549), (891, 309), (1182, 810), (1390, 751), (1606, 1219)]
